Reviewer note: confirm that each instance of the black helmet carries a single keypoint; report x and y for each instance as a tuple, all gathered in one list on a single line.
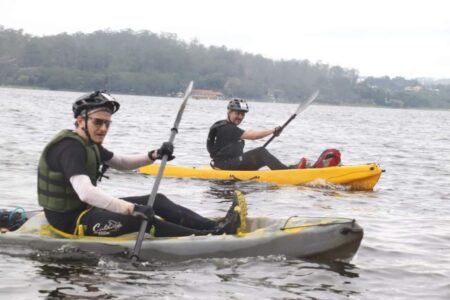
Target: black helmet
[(95, 100), (238, 105)]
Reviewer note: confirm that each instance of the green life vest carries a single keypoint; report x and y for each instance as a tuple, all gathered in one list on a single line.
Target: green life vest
[(54, 191)]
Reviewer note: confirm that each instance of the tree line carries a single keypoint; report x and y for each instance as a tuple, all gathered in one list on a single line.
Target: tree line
[(146, 63)]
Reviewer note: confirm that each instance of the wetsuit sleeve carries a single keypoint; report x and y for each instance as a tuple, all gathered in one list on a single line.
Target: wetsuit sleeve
[(95, 196)]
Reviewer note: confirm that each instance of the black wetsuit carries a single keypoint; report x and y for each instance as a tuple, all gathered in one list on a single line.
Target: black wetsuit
[(226, 149), (69, 156)]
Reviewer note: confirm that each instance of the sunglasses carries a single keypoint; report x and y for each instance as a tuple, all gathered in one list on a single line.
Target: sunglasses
[(239, 113), (99, 122)]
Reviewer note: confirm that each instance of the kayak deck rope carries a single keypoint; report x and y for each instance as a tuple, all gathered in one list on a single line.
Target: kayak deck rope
[(323, 222)]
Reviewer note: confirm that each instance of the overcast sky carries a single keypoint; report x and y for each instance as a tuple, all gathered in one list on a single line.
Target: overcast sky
[(376, 37)]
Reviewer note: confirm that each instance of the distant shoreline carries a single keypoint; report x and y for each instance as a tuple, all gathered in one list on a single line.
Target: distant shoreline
[(251, 100)]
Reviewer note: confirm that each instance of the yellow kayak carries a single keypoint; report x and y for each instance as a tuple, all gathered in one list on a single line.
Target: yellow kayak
[(357, 177)]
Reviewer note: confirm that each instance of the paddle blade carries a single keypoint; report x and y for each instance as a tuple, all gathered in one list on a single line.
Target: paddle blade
[(308, 101), (187, 93)]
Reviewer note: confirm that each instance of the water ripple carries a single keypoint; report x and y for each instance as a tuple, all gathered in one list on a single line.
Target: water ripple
[(404, 254)]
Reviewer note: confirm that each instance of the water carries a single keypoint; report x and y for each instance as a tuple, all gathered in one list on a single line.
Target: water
[(405, 253)]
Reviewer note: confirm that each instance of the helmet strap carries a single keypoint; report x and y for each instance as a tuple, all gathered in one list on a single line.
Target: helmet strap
[(228, 115), (85, 128)]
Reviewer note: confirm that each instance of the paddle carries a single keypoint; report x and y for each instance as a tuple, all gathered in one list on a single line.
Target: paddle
[(151, 199), (300, 108)]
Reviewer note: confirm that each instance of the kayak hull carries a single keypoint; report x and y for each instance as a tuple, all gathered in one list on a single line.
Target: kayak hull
[(318, 238), (357, 177)]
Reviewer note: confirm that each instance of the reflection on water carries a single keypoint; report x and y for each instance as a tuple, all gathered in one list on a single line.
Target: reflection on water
[(224, 189), (155, 277), (221, 189), (73, 280)]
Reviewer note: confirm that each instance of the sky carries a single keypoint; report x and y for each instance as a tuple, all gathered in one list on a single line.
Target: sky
[(391, 38)]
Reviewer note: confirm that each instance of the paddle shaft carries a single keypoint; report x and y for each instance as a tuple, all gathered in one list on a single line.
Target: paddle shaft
[(282, 127), (301, 107), (151, 199)]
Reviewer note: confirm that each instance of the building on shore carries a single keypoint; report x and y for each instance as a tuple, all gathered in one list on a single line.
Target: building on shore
[(206, 94)]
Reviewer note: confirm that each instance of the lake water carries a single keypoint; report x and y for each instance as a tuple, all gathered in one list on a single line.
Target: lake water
[(405, 253)]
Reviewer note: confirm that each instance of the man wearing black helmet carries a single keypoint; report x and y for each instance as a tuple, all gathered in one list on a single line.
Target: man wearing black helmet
[(74, 161), (225, 142)]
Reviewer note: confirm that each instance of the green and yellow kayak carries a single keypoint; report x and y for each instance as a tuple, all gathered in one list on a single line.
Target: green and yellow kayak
[(357, 177), (302, 237)]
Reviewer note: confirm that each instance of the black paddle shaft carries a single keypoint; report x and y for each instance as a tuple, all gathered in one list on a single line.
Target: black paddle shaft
[(151, 199), (282, 127), (300, 108)]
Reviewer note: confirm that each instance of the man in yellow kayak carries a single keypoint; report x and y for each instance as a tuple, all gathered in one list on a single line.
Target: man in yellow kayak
[(74, 161), (225, 145), (225, 142)]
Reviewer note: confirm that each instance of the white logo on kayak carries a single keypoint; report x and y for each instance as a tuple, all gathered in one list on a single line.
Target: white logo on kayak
[(106, 229)]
